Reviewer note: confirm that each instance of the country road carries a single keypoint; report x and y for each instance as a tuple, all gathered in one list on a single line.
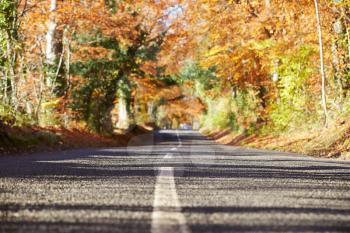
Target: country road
[(176, 181)]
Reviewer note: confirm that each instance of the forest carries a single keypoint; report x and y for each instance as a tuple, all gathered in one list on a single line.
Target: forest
[(262, 73)]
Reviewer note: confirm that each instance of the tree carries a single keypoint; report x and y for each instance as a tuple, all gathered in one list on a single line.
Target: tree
[(51, 43), (322, 69), (9, 50), (126, 49)]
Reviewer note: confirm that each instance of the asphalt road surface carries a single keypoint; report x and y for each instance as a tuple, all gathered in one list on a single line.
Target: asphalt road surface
[(178, 181)]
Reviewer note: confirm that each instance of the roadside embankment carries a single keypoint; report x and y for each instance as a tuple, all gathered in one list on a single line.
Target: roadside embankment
[(17, 140), (332, 142)]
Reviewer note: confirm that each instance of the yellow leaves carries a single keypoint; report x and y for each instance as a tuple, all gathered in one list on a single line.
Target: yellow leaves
[(97, 93), (239, 66), (215, 56), (52, 103), (216, 50)]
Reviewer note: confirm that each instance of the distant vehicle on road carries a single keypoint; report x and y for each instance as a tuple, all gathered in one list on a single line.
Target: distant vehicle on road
[(186, 127)]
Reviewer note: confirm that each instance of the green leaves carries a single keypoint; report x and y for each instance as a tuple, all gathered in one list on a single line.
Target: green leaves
[(106, 78), (7, 13), (294, 70), (94, 94), (294, 94)]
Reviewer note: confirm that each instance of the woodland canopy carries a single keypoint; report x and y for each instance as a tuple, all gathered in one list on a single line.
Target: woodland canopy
[(253, 66)]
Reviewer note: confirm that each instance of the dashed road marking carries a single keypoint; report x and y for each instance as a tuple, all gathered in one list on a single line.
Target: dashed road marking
[(167, 216)]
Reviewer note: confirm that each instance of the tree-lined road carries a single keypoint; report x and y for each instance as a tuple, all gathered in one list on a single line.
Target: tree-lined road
[(178, 182)]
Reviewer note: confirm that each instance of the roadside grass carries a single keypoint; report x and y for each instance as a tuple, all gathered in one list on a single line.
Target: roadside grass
[(17, 140), (332, 142)]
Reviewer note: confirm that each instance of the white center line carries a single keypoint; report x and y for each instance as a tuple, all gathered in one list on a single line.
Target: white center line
[(167, 216), (178, 139)]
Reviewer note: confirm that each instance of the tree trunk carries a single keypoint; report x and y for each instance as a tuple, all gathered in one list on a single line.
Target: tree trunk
[(123, 113), (322, 68), (5, 99), (348, 40), (11, 57), (54, 54), (151, 110), (67, 63), (51, 52), (268, 5)]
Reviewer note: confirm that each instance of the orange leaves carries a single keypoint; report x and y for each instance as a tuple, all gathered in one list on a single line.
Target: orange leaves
[(227, 34), (85, 53), (149, 68)]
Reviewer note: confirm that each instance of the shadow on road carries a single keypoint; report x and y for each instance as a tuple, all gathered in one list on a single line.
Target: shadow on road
[(219, 165)]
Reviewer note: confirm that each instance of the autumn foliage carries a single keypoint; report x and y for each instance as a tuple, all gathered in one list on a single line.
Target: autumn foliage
[(248, 65)]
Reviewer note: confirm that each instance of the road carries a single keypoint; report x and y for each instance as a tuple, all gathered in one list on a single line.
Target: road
[(173, 181)]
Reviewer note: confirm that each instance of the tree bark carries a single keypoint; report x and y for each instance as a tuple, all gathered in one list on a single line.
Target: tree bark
[(322, 68), (151, 110), (12, 59), (268, 5), (348, 39), (123, 95), (123, 113), (51, 54)]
